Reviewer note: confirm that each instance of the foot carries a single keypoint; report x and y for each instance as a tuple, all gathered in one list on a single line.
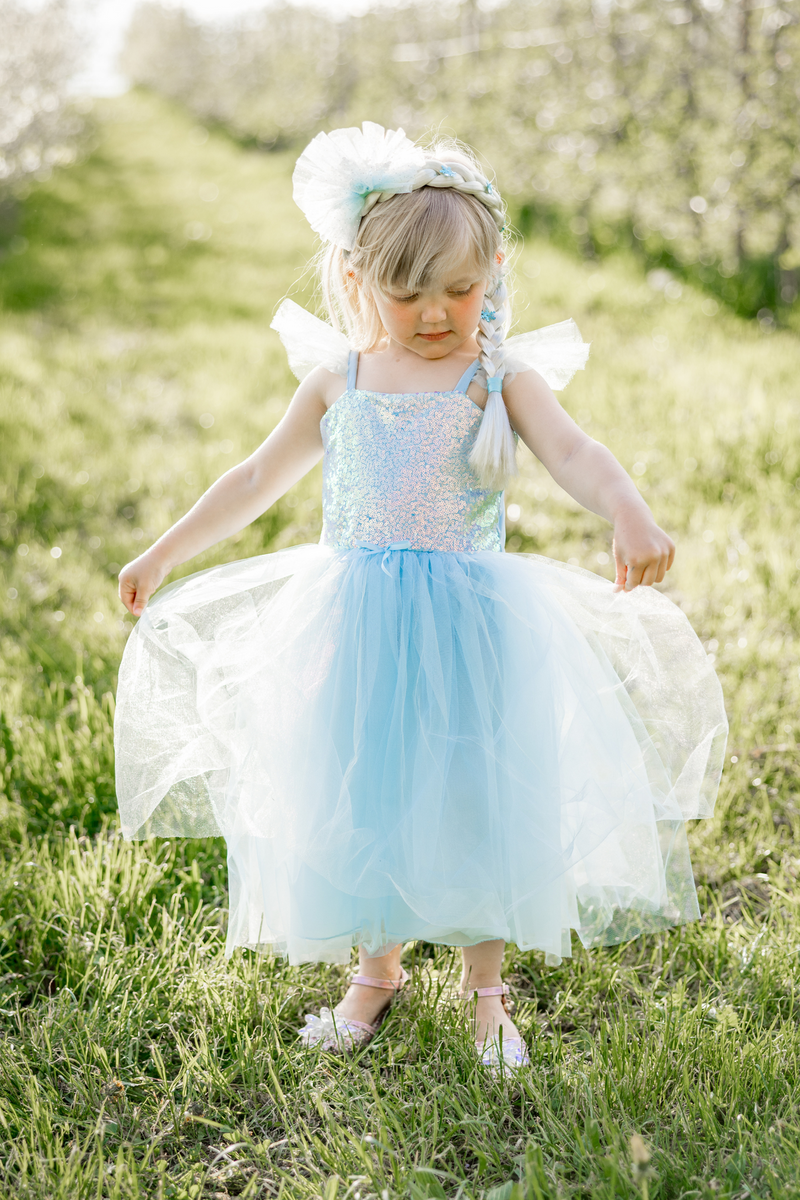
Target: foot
[(354, 1021), (364, 1003), (490, 1018)]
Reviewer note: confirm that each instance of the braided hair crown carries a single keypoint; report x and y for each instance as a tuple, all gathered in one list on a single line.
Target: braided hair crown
[(341, 177), (455, 171)]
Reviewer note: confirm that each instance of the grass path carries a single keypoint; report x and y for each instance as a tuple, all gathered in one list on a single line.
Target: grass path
[(136, 363)]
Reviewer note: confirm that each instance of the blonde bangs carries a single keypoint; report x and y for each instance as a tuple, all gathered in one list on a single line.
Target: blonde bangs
[(429, 237)]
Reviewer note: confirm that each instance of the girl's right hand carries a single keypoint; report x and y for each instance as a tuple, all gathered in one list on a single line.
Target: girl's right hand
[(139, 579)]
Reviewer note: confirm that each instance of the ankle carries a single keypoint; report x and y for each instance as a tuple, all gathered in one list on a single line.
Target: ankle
[(382, 966), (375, 988), (473, 981), (385, 970)]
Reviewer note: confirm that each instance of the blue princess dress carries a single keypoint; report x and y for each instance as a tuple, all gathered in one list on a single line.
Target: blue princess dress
[(404, 732)]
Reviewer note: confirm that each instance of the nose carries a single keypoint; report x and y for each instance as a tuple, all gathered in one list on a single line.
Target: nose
[(433, 313)]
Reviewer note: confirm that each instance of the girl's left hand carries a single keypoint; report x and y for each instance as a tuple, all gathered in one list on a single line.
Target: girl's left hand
[(643, 553)]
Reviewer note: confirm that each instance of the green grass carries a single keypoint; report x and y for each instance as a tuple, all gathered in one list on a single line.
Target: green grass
[(135, 1061)]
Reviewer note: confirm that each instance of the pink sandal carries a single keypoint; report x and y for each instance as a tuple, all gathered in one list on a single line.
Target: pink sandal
[(342, 1034), (512, 1053)]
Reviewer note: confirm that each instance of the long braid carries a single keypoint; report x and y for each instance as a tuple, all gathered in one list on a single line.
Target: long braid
[(494, 455), (491, 330)]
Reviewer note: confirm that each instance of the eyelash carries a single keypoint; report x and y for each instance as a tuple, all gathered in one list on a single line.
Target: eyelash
[(408, 299)]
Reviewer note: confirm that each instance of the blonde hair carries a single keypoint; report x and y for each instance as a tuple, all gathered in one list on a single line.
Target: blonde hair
[(416, 239)]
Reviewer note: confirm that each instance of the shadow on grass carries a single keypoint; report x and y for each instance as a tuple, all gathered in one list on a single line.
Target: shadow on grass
[(88, 229)]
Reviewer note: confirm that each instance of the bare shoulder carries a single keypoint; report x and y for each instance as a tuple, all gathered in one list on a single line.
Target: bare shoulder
[(528, 388), (319, 389)]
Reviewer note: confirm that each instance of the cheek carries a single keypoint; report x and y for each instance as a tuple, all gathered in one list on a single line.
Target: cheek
[(400, 316), (468, 310)]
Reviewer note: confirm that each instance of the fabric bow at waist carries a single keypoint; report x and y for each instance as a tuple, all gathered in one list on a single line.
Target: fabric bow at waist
[(385, 550)]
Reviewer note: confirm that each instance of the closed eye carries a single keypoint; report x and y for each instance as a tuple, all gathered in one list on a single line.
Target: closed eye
[(450, 291)]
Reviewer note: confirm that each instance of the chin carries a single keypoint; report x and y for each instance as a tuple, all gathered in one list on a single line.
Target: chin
[(435, 349)]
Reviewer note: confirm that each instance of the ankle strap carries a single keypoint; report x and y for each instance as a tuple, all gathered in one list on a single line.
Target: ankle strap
[(502, 990), (395, 984)]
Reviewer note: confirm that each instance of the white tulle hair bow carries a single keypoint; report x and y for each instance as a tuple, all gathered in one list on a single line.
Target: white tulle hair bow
[(338, 171)]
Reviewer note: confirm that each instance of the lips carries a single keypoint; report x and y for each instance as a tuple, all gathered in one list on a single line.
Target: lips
[(435, 337)]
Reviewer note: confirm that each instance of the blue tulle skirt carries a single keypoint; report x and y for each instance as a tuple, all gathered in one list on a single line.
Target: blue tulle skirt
[(411, 744)]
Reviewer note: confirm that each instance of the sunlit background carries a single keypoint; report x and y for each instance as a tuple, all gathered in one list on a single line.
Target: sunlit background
[(107, 21), (656, 124)]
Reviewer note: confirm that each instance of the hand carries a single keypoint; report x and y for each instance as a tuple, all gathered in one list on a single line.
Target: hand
[(643, 553), (139, 579)]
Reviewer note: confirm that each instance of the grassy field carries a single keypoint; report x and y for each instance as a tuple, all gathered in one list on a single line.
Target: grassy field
[(136, 363)]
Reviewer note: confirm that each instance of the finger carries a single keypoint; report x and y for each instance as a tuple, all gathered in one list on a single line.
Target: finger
[(127, 594), (671, 556), (132, 597), (619, 582), (650, 573), (634, 576), (666, 562)]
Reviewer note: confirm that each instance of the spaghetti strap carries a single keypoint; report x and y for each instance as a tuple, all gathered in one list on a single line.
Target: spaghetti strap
[(352, 370), (468, 376)]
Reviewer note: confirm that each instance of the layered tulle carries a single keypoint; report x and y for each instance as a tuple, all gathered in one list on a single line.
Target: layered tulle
[(413, 744)]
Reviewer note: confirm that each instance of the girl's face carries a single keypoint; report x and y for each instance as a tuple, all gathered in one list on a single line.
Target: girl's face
[(434, 320)]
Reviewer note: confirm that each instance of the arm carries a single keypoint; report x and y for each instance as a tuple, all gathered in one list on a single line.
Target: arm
[(643, 553), (238, 496)]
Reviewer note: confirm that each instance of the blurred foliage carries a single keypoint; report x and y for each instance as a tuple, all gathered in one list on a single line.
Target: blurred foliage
[(136, 1062), (666, 125), (40, 51)]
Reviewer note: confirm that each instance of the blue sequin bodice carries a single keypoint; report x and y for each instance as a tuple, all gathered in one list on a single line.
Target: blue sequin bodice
[(396, 469)]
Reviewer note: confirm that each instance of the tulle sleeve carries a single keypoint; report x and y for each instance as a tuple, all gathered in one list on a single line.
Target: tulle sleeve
[(310, 342), (556, 352)]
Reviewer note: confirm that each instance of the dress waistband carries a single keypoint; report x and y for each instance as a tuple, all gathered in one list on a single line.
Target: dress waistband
[(386, 550)]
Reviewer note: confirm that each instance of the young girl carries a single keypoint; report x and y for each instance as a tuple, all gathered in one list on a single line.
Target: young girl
[(404, 732)]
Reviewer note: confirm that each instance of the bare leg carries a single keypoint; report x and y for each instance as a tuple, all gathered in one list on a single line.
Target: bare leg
[(364, 1003), (481, 968)]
